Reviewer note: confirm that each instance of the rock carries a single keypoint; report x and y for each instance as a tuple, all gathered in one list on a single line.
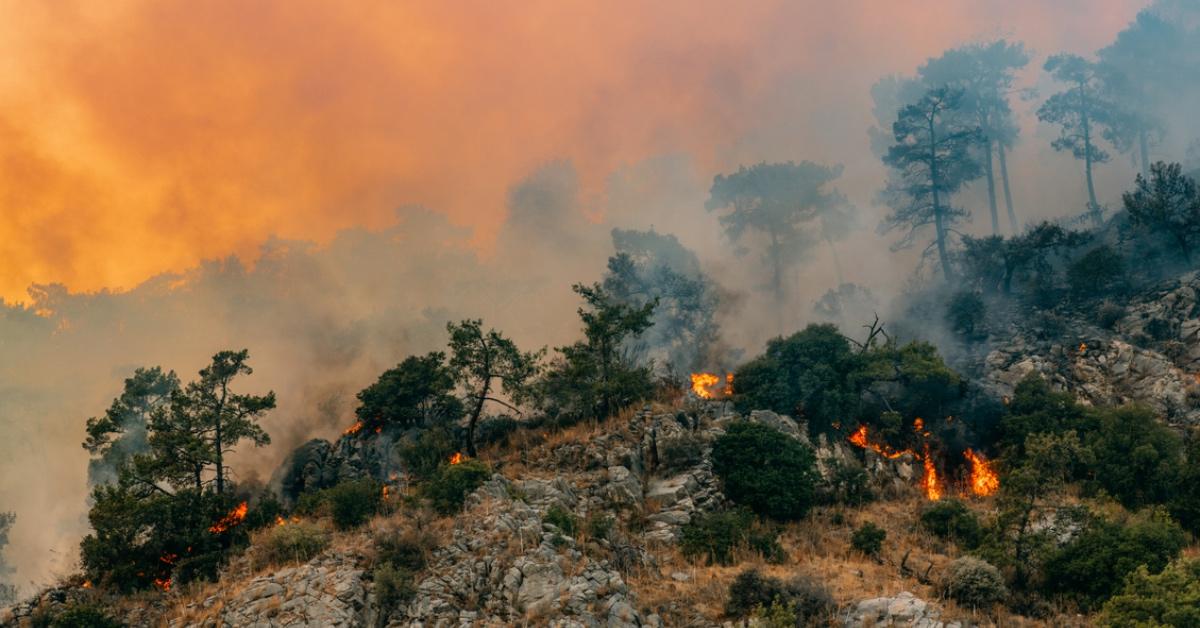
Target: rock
[(904, 609)]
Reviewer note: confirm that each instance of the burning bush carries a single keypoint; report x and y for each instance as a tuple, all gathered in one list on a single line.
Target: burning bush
[(449, 487), (427, 450), (765, 470)]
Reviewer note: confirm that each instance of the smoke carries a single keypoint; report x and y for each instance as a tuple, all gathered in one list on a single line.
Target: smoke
[(186, 178)]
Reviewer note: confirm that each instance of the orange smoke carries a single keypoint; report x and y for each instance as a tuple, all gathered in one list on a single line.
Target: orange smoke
[(235, 517)]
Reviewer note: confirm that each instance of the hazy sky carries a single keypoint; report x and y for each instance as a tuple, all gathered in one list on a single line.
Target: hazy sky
[(141, 137)]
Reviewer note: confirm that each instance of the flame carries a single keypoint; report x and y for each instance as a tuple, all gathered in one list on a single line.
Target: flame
[(87, 584), (230, 520), (860, 439), (931, 485), (918, 424), (728, 392), (984, 480), (385, 492), (457, 458), (701, 382), (933, 488), (379, 430), (353, 429), (163, 583), (1082, 348), (280, 521)]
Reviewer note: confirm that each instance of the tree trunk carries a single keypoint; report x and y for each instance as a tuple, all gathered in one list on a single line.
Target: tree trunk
[(1093, 205), (991, 187), (1012, 215), (938, 219), (218, 444), (475, 418)]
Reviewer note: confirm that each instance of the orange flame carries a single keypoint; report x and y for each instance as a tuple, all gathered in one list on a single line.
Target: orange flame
[(702, 383), (984, 480), (87, 584), (931, 485), (933, 488), (457, 458), (163, 583), (230, 520), (385, 492), (353, 429), (1082, 348), (860, 439)]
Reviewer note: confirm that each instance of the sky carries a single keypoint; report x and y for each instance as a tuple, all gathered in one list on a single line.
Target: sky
[(142, 137), (328, 183)]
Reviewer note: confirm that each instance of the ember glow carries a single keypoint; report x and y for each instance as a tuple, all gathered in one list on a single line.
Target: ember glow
[(984, 480), (353, 429), (861, 439), (235, 516), (457, 458)]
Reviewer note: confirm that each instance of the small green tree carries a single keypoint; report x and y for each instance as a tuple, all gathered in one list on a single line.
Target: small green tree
[(966, 313), (1167, 205), (868, 539), (449, 488), (121, 432), (418, 391), (1170, 598), (765, 470), (593, 379), (482, 362), (1097, 274)]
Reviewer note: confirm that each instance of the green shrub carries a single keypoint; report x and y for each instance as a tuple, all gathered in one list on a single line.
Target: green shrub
[(562, 519), (496, 431), (1097, 273), (765, 470), (297, 541), (352, 503), (1093, 565), (449, 487), (599, 526), (973, 582), (966, 314), (1108, 314), (951, 519), (425, 452), (409, 550), (778, 615), (680, 453), (393, 585), (848, 484), (868, 539), (803, 600), (1170, 598), (84, 616), (716, 536), (1136, 456)]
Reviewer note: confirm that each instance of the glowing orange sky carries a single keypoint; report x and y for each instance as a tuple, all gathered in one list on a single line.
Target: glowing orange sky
[(140, 137)]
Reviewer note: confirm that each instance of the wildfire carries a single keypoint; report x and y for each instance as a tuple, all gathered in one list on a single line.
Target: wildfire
[(1082, 348), (933, 489), (280, 521), (230, 520), (353, 429), (702, 383), (87, 584), (931, 485), (457, 458), (163, 583), (860, 439), (984, 480)]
